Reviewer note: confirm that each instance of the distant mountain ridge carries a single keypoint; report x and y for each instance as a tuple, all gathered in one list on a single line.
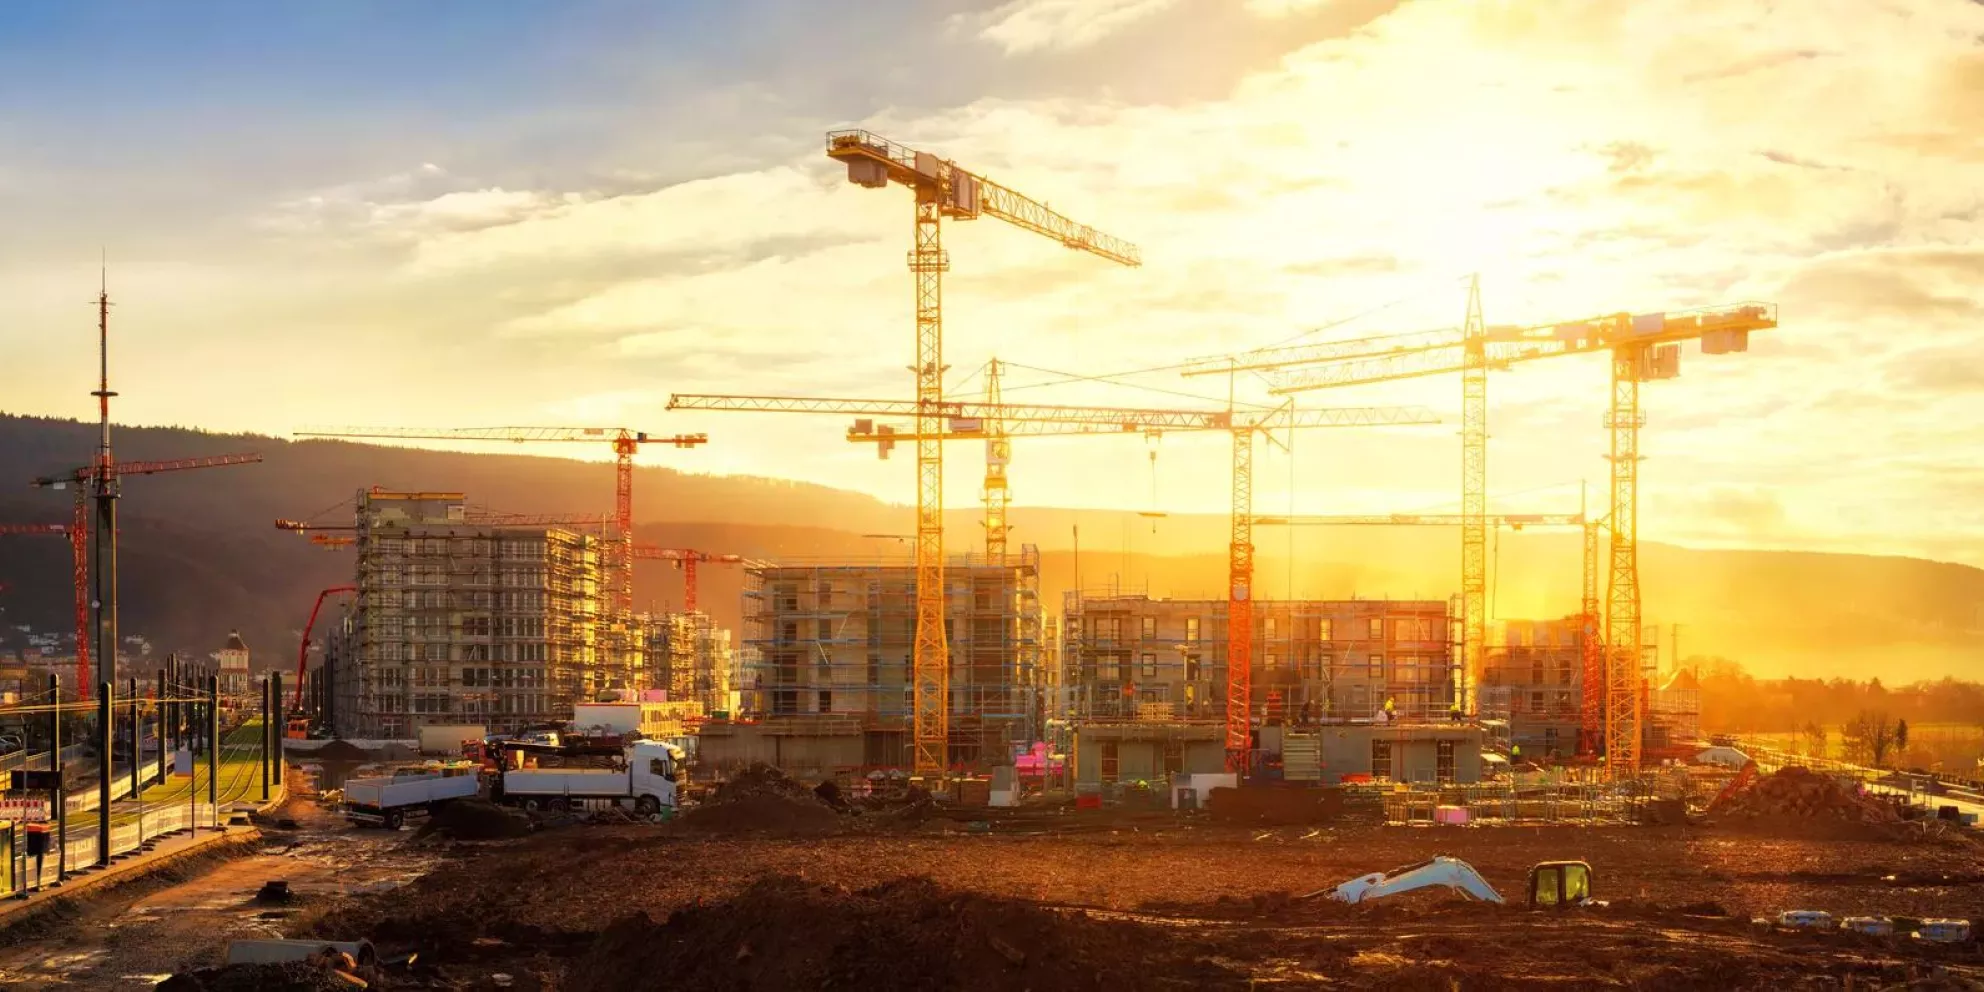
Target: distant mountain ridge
[(200, 554)]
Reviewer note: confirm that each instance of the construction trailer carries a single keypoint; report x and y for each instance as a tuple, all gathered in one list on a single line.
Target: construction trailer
[(826, 640), (1134, 657), (473, 622), (691, 658)]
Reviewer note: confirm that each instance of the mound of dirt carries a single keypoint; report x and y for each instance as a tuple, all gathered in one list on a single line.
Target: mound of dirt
[(1269, 806), (1798, 798), (473, 819), (783, 933), (762, 798)]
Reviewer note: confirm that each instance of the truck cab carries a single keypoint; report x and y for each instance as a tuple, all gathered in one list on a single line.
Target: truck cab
[(654, 768)]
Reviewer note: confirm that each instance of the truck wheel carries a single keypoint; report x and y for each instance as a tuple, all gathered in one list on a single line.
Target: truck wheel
[(560, 806), (394, 819), (647, 805), (532, 805)]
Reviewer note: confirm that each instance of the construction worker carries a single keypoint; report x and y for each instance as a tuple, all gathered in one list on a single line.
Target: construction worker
[(37, 847), (1515, 753), (1453, 712), (1391, 712)]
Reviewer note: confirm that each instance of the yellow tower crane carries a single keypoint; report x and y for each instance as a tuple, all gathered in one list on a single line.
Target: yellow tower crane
[(957, 421), (943, 190), (1643, 347)]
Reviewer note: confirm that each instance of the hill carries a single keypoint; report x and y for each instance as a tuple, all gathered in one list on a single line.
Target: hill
[(200, 554)]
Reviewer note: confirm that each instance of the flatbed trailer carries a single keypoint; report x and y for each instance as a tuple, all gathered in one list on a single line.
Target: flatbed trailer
[(390, 800)]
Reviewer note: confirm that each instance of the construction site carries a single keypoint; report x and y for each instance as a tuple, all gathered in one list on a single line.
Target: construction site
[(938, 769)]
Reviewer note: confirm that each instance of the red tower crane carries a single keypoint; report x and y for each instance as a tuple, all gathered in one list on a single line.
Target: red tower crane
[(686, 559), (81, 481), (79, 550)]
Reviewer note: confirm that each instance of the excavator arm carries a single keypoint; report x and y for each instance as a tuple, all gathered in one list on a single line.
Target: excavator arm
[(1451, 873)]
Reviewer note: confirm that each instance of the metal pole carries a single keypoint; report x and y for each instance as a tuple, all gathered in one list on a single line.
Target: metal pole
[(277, 734), (58, 805), (137, 739), (163, 730), (213, 746), (106, 724), (264, 756)]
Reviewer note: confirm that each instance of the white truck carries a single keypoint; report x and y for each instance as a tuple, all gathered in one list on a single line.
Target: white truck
[(391, 799), (648, 782)]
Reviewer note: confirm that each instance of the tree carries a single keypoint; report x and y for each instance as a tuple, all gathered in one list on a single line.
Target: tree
[(1873, 734), (1815, 739), (1901, 735)]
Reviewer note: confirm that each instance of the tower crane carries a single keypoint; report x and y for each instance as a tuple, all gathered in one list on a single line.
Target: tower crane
[(967, 421), (1592, 686), (625, 443), (686, 559), (78, 532), (103, 475), (942, 190), (1643, 348)]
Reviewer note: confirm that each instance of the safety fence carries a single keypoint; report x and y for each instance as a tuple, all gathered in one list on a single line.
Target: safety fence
[(1536, 799), (142, 827)]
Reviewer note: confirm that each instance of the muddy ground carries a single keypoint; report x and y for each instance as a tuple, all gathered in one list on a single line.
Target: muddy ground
[(598, 908), (133, 936)]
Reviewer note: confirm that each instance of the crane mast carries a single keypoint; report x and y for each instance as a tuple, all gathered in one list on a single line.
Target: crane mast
[(84, 482), (1642, 347), (943, 190), (967, 421)]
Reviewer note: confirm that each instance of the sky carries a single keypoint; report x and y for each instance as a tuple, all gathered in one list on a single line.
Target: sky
[(459, 213)]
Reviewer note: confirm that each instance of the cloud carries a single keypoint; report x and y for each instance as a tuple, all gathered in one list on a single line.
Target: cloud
[(1022, 27), (1585, 158)]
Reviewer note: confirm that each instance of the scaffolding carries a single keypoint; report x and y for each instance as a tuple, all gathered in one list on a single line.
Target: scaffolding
[(1138, 658), (1532, 677), (691, 657), (457, 622), (825, 641)]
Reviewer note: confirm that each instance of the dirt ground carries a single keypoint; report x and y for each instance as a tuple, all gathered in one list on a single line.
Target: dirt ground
[(1171, 907), (133, 937)]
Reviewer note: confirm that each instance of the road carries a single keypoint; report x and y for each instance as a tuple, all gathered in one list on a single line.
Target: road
[(133, 941)]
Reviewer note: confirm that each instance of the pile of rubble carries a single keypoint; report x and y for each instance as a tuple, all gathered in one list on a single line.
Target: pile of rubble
[(763, 798), (1798, 796)]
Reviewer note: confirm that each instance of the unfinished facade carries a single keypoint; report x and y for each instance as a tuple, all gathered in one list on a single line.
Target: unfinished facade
[(1532, 676), (691, 658), (827, 642), (1133, 657), (458, 622)]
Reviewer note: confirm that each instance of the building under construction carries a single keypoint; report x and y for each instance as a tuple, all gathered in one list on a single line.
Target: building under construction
[(691, 657), (463, 622), (1532, 677), (1137, 657), (826, 660)]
